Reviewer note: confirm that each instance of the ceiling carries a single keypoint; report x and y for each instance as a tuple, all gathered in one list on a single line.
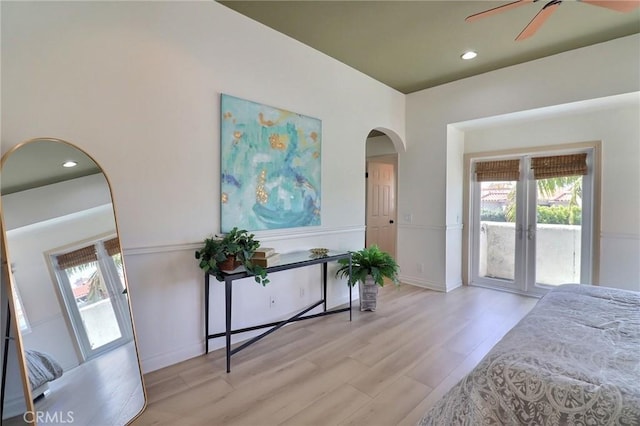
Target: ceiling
[(40, 163), (414, 45)]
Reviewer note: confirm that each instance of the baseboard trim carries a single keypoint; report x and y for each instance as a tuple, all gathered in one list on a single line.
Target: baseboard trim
[(167, 359), (417, 282)]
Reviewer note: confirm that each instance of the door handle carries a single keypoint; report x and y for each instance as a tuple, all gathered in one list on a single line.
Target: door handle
[(531, 232), (391, 221)]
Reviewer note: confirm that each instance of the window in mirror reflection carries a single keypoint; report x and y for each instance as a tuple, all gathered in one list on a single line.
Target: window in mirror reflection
[(91, 281), (112, 247), (23, 321)]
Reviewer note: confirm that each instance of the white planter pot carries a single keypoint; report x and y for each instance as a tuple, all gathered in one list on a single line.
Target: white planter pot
[(368, 294)]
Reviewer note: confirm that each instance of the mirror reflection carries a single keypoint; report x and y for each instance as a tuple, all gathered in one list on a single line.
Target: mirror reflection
[(69, 291), (9, 356)]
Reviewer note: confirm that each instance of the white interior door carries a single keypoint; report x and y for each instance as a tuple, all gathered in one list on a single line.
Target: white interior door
[(530, 232), (381, 206)]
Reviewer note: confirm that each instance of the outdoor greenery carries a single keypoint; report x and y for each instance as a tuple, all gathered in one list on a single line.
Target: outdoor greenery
[(492, 216), (369, 261), (237, 243), (561, 215), (557, 214)]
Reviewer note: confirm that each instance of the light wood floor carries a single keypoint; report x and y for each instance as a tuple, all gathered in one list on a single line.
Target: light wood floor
[(384, 368), (105, 390)]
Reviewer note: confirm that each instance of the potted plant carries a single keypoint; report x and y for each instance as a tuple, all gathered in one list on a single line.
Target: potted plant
[(369, 268), (227, 252)]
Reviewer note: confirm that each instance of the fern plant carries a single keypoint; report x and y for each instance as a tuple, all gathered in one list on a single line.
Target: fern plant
[(369, 261)]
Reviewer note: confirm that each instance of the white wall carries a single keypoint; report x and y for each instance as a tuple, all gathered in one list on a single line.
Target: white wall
[(431, 169), (137, 85), (380, 145), (618, 127)]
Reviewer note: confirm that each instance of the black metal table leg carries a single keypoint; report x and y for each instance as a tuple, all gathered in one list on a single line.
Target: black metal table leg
[(227, 295), (206, 312), (324, 286), (350, 290)]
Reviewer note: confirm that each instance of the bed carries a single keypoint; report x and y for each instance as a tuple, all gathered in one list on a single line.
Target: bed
[(43, 368), (574, 359)]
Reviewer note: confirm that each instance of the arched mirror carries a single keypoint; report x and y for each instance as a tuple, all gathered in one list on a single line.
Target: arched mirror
[(65, 277)]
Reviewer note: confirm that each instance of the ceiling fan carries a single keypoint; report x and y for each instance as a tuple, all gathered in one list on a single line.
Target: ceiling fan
[(549, 8)]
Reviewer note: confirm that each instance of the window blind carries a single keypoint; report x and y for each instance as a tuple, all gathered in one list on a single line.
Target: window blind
[(77, 257), (559, 166), (498, 170), (112, 246)]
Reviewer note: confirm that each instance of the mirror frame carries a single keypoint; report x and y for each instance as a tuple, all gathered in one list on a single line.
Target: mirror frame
[(7, 276)]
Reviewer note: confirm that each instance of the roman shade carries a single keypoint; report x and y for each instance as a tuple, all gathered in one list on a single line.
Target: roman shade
[(559, 166), (87, 254), (112, 246), (498, 170), (77, 257)]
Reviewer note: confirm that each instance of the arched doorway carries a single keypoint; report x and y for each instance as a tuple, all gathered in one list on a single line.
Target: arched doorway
[(381, 192)]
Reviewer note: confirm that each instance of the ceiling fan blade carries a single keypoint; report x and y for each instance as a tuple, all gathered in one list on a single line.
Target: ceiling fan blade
[(539, 19), (618, 5), (498, 9)]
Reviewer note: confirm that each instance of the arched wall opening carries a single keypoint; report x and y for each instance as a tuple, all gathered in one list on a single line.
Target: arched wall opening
[(382, 147)]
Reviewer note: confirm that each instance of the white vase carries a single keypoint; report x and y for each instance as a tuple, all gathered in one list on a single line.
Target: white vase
[(368, 294)]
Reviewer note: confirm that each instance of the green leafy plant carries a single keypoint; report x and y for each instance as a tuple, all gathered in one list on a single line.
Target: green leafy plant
[(492, 216), (369, 261), (547, 188), (237, 243), (559, 215)]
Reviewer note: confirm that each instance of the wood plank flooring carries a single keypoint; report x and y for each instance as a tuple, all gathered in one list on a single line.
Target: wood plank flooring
[(384, 368), (105, 390)]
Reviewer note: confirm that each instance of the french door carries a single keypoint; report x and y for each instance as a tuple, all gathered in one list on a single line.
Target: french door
[(91, 281), (531, 220)]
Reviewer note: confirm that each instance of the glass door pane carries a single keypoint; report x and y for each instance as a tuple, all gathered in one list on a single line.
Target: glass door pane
[(558, 235), (497, 231), (93, 304), (117, 261)]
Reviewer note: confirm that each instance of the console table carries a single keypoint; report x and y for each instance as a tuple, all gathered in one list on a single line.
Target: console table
[(285, 262)]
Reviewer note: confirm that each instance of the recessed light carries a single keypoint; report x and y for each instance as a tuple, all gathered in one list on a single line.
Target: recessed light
[(69, 163), (469, 55)]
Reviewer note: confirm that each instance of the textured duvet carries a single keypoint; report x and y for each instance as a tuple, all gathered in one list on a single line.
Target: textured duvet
[(573, 360), (42, 368)]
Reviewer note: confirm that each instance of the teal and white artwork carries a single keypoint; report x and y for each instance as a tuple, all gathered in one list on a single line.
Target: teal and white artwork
[(270, 166)]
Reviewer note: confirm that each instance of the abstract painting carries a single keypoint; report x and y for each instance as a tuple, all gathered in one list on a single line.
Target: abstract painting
[(270, 166)]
